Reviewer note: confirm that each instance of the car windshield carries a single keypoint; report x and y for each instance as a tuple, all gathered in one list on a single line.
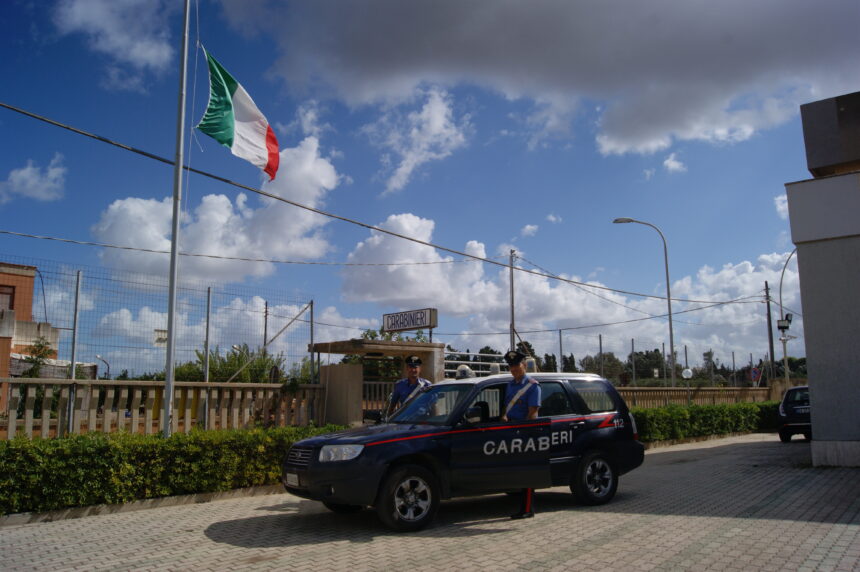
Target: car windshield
[(433, 405)]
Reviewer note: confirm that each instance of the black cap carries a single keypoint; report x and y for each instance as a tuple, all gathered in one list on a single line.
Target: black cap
[(413, 360), (514, 357)]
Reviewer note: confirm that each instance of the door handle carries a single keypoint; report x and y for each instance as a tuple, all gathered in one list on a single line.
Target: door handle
[(577, 424)]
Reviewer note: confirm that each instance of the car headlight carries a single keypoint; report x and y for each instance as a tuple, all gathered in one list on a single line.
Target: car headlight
[(339, 452)]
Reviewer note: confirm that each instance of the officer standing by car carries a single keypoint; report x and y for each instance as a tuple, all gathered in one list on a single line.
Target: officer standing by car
[(408, 387), (522, 401)]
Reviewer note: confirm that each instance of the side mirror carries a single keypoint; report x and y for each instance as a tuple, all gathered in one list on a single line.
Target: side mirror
[(473, 415)]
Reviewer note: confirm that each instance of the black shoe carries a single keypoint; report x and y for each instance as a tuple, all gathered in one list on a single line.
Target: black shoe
[(520, 515)]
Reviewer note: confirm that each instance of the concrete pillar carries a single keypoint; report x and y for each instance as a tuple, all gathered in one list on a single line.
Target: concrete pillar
[(343, 398), (825, 226)]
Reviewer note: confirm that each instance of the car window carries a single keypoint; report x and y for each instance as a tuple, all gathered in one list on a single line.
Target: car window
[(554, 400), (490, 400), (798, 396), (433, 405), (594, 395)]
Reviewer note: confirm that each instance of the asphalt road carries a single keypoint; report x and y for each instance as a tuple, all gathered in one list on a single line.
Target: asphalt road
[(738, 503)]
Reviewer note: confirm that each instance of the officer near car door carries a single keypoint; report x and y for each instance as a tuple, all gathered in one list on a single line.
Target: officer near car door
[(408, 387), (522, 401)]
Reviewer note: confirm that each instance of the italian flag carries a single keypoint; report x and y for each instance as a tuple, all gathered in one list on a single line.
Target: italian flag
[(233, 120)]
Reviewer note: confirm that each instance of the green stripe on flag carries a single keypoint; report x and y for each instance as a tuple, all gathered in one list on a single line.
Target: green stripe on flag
[(219, 122)]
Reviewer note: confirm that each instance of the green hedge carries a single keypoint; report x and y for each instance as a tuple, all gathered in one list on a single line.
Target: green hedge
[(681, 422), (96, 468)]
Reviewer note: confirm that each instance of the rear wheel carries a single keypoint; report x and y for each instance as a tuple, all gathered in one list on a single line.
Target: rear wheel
[(784, 436), (596, 480), (342, 508), (408, 499)]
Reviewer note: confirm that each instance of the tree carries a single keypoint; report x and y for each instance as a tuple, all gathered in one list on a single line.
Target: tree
[(646, 362), (568, 363), (549, 363), (38, 352), (612, 366)]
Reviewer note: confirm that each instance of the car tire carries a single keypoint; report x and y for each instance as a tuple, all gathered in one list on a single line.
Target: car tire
[(408, 498), (784, 436), (807, 435), (342, 508), (595, 480)]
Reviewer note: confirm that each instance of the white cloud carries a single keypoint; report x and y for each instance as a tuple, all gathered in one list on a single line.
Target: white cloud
[(479, 294), (659, 71), (673, 165), (555, 219), (134, 32), (529, 230), (35, 183), (219, 226), (431, 134), (649, 173), (781, 204)]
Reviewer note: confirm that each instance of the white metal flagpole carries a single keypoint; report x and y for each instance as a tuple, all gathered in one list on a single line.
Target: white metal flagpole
[(167, 414)]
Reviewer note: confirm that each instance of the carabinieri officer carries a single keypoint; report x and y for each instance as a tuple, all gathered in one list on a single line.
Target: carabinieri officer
[(409, 386), (522, 401)]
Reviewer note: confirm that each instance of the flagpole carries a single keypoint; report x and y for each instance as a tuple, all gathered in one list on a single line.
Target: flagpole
[(167, 415)]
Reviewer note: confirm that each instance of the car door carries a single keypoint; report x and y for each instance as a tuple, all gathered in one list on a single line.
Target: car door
[(566, 423), (492, 455)]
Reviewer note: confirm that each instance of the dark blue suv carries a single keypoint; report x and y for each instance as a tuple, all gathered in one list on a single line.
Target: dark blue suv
[(448, 441), (794, 415)]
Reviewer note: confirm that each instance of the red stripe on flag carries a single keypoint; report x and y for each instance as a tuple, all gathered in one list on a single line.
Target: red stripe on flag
[(272, 148)]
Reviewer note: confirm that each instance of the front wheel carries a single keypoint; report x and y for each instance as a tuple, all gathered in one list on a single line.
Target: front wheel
[(408, 498), (595, 481)]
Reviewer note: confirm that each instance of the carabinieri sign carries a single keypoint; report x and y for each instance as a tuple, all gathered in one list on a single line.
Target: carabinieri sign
[(409, 320)]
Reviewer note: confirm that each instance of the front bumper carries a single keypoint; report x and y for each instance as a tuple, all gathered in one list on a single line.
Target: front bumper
[(354, 482)]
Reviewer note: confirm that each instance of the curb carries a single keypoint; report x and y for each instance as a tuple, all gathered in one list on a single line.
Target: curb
[(20, 519)]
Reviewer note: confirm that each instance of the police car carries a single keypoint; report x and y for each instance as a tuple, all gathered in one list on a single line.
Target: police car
[(448, 441)]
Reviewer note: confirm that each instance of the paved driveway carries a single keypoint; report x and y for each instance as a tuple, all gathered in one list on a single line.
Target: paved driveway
[(739, 503)]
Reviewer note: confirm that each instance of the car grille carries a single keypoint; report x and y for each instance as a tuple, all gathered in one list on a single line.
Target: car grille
[(299, 456)]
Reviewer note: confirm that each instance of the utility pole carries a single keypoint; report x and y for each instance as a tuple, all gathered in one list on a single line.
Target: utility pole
[(513, 342), (771, 363)]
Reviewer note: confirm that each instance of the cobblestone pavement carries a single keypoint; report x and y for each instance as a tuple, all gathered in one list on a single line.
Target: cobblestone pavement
[(740, 503)]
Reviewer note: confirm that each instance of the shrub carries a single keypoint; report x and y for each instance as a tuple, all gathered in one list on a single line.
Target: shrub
[(97, 468), (680, 422)]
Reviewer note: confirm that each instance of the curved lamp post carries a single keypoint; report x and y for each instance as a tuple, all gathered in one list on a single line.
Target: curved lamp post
[(668, 291), (784, 322), (100, 358)]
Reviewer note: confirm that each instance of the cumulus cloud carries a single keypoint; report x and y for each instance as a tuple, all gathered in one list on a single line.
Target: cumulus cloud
[(220, 226), (529, 230), (673, 165), (479, 294), (418, 137), (34, 182), (649, 173), (663, 71), (132, 32), (553, 218), (781, 204)]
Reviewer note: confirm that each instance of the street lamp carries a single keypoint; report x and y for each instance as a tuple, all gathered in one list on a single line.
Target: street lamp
[(100, 358), (623, 220), (784, 322)]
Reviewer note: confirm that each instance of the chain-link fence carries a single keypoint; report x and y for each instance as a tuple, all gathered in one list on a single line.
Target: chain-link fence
[(121, 327)]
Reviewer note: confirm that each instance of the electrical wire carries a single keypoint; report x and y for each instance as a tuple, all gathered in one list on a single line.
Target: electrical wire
[(322, 212)]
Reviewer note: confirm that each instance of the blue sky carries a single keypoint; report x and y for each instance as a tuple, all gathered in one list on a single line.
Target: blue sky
[(481, 127)]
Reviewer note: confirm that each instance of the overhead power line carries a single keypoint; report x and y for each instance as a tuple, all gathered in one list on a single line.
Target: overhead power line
[(322, 212)]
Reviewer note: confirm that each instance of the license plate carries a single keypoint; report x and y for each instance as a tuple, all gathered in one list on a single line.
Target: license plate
[(292, 480), (801, 409)]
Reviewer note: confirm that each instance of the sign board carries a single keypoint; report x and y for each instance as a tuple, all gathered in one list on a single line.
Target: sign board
[(410, 320), (160, 339)]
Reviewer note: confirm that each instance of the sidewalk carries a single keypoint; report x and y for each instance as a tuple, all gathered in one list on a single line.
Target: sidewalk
[(739, 503)]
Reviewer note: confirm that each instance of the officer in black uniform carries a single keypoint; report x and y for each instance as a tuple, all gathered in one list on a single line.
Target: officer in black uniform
[(522, 401)]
